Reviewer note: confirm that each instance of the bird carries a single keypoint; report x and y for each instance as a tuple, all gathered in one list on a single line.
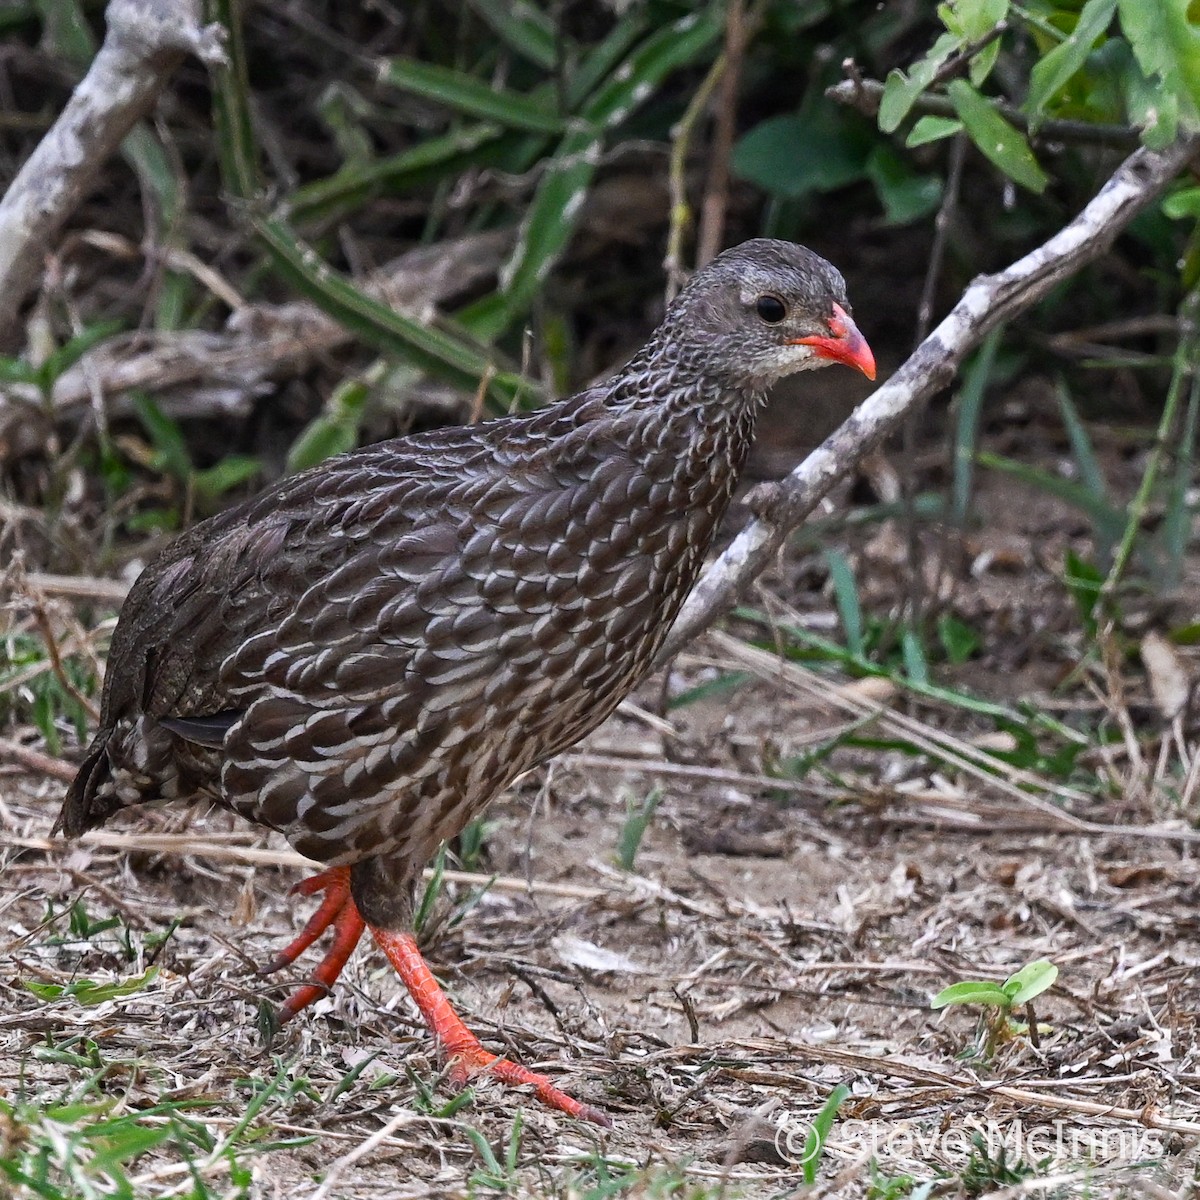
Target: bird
[(366, 653)]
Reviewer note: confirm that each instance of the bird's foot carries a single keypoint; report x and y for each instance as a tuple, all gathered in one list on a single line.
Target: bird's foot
[(464, 1053), (338, 910)]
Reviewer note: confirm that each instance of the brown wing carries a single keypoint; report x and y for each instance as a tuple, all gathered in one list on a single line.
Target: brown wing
[(354, 627)]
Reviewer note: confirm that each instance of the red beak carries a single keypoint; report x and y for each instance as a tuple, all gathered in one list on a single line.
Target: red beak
[(845, 344)]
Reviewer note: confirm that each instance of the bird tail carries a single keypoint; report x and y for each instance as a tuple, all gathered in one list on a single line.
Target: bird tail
[(92, 796)]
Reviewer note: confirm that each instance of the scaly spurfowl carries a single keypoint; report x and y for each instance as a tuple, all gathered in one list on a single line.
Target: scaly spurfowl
[(365, 654)]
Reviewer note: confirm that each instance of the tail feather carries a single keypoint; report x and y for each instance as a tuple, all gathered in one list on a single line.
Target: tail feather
[(91, 797)]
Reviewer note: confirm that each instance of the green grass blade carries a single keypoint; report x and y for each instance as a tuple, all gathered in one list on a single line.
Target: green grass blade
[(818, 1133), (845, 594), (466, 94), (437, 158), (969, 411), (235, 133), (476, 145), (605, 56), (1090, 473), (1177, 520), (1108, 521), (524, 28), (450, 356), (556, 204)]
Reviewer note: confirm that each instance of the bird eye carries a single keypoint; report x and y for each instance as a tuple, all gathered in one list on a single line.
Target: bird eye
[(771, 309)]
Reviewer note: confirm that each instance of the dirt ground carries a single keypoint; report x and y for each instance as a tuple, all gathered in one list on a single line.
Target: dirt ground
[(781, 932)]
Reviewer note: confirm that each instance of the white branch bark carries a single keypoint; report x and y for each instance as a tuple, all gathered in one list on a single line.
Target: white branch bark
[(146, 40), (989, 301)]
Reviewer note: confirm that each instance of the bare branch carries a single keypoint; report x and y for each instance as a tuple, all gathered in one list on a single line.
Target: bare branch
[(988, 302), (146, 40), (864, 95)]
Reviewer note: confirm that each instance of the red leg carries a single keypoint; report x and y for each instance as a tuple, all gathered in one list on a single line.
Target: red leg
[(335, 883), (337, 910), (463, 1050)]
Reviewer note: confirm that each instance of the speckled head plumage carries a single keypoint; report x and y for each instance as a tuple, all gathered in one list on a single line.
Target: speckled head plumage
[(761, 311)]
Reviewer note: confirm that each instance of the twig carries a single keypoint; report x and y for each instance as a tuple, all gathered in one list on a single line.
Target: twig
[(716, 194), (146, 40), (35, 760), (988, 302), (864, 96), (681, 213), (188, 845), (56, 664)]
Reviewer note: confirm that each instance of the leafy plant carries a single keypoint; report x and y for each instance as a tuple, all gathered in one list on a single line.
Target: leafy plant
[(1019, 990), (633, 829), (818, 1132)]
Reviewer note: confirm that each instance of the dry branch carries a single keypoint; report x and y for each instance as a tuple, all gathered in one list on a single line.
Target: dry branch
[(987, 303), (146, 40)]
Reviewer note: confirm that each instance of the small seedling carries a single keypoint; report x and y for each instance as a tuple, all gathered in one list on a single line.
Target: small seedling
[(495, 1176), (818, 1132), (897, 1187), (1000, 999), (637, 819)]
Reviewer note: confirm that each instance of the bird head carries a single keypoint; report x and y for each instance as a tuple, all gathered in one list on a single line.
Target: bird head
[(764, 310)]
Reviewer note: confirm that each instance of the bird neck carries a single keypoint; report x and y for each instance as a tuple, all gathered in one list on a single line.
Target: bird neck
[(682, 418)]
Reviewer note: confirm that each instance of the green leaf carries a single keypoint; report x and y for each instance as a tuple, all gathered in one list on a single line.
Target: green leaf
[(88, 992), (1091, 474), (728, 681), (905, 195), (932, 129), (145, 152), (335, 430), (230, 472), (983, 62), (972, 991), (1165, 38), (845, 594), (171, 453), (973, 20), (1051, 73), (466, 94), (430, 160), (900, 91), (818, 1132), (998, 141), (1084, 581), (958, 640), (976, 376), (816, 150), (66, 356), (523, 28), (1182, 204), (1030, 982), (1153, 109), (445, 352), (916, 665), (66, 33), (1109, 521)]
